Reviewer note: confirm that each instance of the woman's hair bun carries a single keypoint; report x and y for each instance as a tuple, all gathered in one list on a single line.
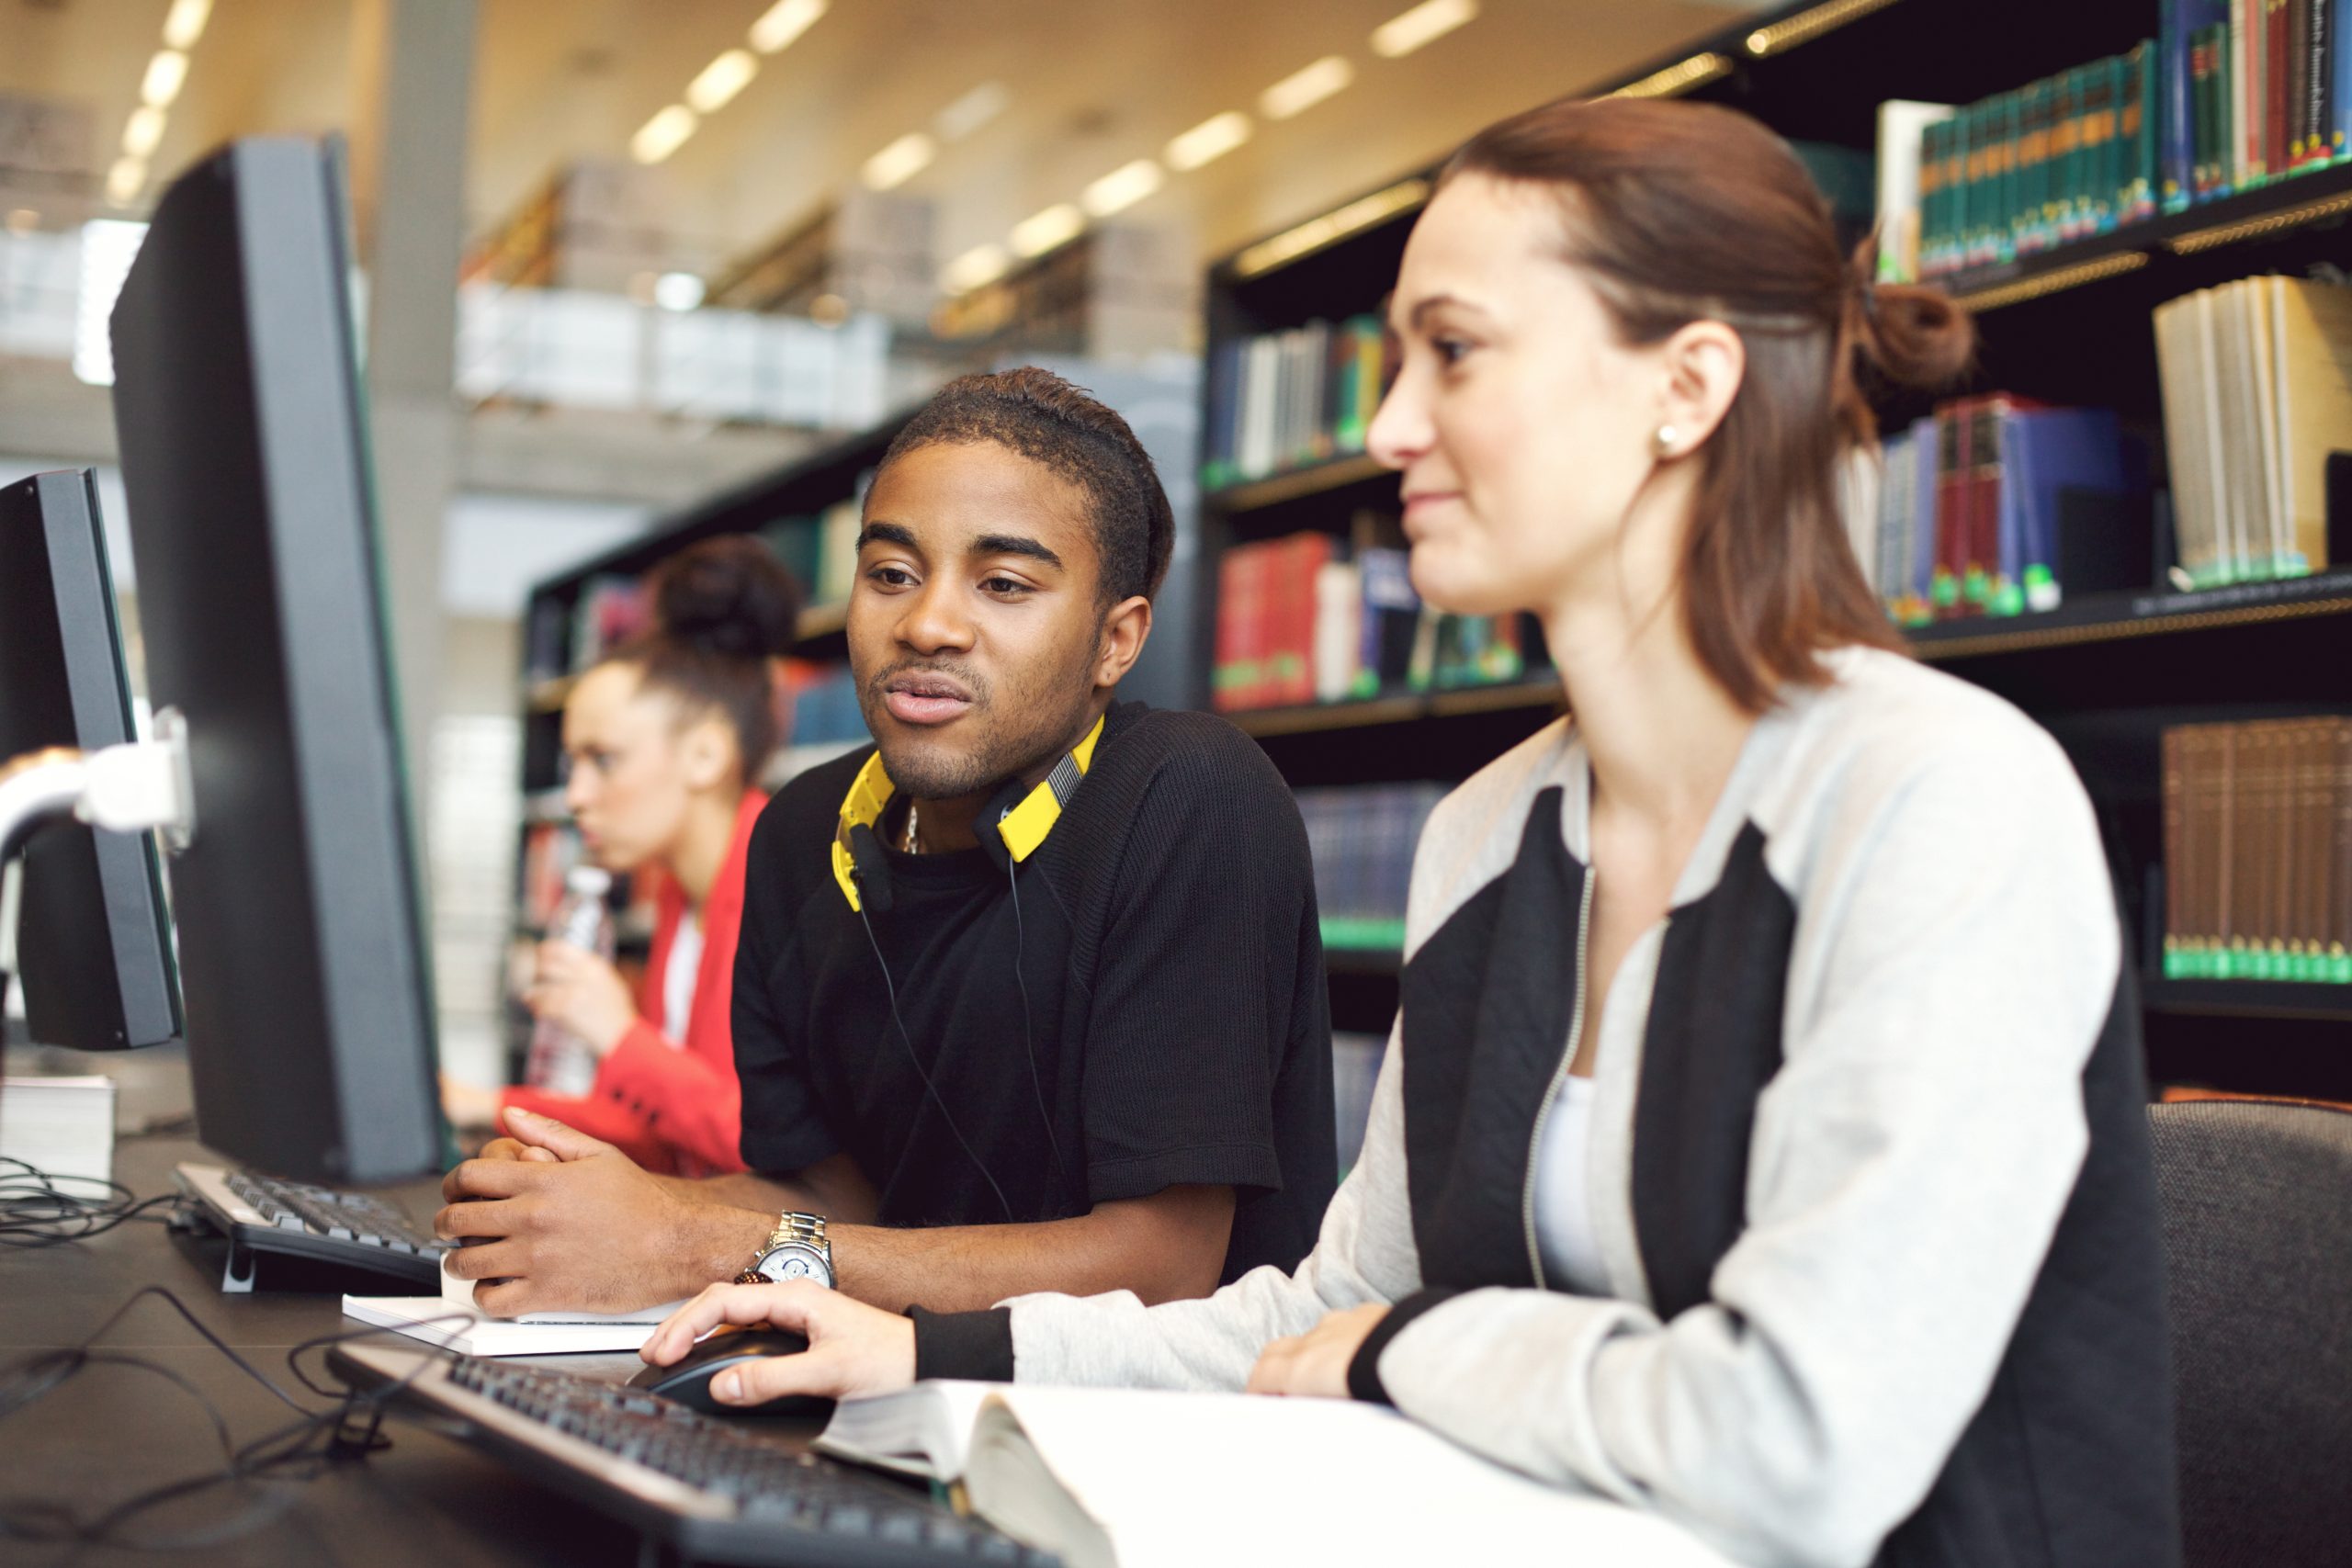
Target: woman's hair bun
[(1914, 336), (728, 596)]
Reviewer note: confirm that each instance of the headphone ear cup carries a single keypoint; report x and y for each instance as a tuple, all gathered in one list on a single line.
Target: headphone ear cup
[(873, 869), (988, 830)]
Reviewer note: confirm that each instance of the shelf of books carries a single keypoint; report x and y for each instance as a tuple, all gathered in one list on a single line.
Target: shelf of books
[(2122, 523)]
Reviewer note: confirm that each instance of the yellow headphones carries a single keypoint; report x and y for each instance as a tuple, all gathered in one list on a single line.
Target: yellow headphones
[(1011, 826)]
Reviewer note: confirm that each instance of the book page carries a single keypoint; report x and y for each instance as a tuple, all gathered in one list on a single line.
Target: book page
[(1189, 1478), (924, 1431)]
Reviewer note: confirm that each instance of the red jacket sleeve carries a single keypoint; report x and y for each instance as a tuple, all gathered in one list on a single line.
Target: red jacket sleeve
[(687, 1102)]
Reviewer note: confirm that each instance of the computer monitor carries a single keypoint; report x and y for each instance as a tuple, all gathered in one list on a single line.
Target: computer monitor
[(93, 936), (244, 461)]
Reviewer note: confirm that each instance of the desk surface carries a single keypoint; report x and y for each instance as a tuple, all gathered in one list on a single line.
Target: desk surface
[(114, 1430)]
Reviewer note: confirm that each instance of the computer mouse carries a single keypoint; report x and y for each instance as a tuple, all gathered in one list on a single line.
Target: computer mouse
[(687, 1380)]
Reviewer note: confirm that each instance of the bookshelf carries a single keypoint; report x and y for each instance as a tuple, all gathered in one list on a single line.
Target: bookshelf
[(2105, 673)]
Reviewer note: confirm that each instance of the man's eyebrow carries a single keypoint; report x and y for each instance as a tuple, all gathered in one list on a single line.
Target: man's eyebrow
[(886, 533), (1015, 545)]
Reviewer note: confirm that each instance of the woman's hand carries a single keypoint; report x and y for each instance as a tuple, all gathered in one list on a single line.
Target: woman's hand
[(469, 1107), (582, 992), (1315, 1363), (853, 1348)]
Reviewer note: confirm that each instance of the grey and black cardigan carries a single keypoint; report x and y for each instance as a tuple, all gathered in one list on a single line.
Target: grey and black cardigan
[(1869, 1165)]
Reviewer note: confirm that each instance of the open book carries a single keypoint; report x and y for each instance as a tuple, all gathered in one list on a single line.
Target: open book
[(1139, 1480)]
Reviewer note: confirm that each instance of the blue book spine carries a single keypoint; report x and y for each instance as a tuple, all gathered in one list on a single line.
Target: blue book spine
[(2182, 19), (2339, 46)]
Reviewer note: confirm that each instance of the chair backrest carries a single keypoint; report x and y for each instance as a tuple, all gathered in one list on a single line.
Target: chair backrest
[(2258, 1227)]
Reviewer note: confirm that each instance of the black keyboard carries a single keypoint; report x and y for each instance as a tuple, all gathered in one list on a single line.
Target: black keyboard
[(267, 1219), (710, 1490)]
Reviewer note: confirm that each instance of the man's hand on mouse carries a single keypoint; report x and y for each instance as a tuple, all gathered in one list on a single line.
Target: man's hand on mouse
[(853, 1348), (577, 1226)]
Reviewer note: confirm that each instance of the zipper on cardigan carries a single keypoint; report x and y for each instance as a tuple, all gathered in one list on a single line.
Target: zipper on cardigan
[(1576, 1034)]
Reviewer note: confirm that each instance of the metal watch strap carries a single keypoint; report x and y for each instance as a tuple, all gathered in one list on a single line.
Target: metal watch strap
[(790, 1226)]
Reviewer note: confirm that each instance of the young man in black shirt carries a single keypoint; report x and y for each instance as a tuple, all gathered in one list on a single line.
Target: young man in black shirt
[(1081, 1046)]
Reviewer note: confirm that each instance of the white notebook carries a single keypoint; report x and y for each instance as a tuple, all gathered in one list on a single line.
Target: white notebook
[(452, 1319), (1114, 1478)]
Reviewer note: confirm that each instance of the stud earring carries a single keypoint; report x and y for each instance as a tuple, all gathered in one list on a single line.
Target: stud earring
[(1666, 440)]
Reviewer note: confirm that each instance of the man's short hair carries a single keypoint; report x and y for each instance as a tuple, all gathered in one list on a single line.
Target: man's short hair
[(1046, 419)]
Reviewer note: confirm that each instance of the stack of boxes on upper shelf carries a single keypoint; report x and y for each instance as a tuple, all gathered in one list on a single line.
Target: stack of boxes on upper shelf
[(2231, 96), (1311, 618), (2258, 851)]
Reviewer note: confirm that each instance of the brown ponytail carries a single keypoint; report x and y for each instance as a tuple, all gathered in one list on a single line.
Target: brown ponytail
[(1678, 212)]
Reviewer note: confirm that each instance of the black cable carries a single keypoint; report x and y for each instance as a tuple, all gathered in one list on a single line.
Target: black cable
[(302, 1449), (35, 1210), (1028, 1028), (891, 990)]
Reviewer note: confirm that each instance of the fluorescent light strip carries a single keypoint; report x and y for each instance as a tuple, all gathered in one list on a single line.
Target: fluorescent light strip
[(971, 111), (976, 268), (721, 79), (126, 179), (1338, 224), (143, 131), (900, 162), (1121, 187), (166, 74), (1040, 232), (782, 23), (1806, 26), (1207, 142), (1304, 88), (185, 25), (663, 134), (1425, 23), (1675, 80)]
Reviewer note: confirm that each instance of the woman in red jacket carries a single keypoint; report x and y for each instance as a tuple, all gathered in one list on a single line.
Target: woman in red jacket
[(665, 738)]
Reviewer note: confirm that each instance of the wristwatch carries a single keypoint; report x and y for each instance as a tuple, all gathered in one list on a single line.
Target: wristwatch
[(796, 1250)]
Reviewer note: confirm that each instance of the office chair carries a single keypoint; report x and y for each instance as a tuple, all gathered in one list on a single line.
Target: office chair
[(2257, 1201)]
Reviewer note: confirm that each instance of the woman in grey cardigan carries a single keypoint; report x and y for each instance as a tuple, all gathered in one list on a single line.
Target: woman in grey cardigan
[(1761, 1141)]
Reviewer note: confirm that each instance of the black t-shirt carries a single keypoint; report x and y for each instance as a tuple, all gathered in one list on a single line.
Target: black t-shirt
[(1176, 1011)]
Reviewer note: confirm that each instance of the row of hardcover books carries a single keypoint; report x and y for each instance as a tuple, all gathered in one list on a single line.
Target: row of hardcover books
[(1305, 619), (2056, 161), (1362, 839), (1284, 400), (2261, 90), (2258, 824), (1996, 505), (2257, 395)]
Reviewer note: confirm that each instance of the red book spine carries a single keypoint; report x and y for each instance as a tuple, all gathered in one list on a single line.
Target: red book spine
[(1310, 552), (1951, 508), (2275, 153)]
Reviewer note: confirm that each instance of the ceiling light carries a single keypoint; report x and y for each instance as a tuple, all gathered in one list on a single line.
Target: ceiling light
[(185, 23), (900, 162), (1040, 232), (125, 180), (165, 75), (971, 111), (1681, 78), (1302, 90), (1209, 140), (677, 291), (1121, 187), (721, 79), (783, 22), (663, 134), (979, 266), (1425, 23), (143, 131)]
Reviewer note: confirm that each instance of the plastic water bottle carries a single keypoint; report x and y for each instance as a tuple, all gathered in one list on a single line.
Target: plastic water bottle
[(560, 1062)]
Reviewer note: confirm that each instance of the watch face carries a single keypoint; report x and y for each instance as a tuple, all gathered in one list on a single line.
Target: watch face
[(795, 1261)]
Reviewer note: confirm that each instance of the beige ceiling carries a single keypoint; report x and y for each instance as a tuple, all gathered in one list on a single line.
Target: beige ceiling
[(1093, 83)]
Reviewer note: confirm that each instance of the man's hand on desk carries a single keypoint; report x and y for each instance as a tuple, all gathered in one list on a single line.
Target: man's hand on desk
[(578, 1225)]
